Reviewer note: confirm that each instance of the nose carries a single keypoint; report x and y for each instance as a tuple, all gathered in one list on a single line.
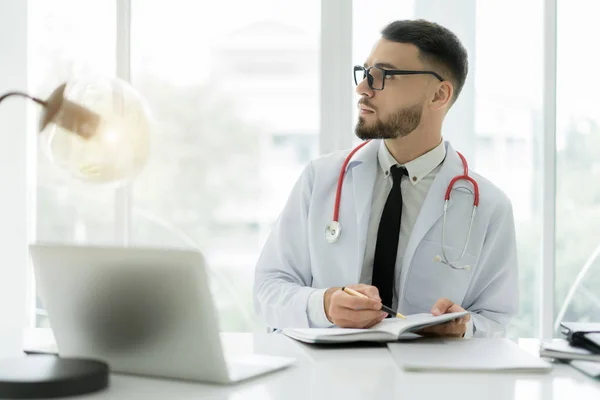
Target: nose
[(363, 89)]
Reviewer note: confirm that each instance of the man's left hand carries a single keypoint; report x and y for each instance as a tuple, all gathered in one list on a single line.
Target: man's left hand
[(454, 328)]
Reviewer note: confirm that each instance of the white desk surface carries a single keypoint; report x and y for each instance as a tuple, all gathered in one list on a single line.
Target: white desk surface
[(348, 373)]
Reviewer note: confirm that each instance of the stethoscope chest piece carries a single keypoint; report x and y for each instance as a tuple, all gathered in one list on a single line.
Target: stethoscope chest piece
[(332, 231)]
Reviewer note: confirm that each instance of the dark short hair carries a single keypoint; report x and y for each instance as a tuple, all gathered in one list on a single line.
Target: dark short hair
[(437, 45)]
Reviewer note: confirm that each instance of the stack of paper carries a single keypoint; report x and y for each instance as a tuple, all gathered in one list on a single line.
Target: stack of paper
[(476, 354), (562, 350), (568, 328), (587, 367)]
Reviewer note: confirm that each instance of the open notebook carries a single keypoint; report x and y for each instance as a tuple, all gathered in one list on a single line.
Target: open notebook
[(388, 330)]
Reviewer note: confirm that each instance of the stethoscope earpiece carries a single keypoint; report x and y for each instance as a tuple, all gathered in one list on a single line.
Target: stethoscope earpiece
[(438, 258)]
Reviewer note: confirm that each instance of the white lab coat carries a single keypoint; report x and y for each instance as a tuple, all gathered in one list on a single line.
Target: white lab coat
[(297, 259)]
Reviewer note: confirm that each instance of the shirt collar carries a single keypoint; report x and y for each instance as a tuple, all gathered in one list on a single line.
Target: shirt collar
[(418, 168)]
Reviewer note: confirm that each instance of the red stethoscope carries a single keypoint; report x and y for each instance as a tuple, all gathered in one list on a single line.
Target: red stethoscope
[(333, 230)]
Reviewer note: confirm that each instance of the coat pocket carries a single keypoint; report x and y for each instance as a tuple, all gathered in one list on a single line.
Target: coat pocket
[(428, 280)]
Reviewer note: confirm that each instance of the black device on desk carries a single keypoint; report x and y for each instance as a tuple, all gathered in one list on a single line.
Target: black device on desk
[(583, 335), (586, 340)]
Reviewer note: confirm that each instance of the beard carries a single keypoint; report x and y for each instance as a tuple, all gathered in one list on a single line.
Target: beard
[(399, 124)]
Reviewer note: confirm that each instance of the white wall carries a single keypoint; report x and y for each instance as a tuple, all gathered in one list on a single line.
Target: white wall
[(13, 176)]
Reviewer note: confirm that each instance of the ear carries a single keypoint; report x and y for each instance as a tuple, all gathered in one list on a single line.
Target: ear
[(442, 97)]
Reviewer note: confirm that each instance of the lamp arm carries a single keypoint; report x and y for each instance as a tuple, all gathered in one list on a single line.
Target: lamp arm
[(64, 113), (9, 94)]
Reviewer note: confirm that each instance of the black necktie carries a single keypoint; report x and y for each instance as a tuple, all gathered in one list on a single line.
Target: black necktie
[(387, 239)]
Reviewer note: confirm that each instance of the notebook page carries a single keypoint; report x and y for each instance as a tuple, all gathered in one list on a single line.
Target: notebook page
[(397, 326)]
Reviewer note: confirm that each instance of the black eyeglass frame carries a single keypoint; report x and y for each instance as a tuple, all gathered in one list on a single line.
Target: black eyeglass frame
[(389, 72)]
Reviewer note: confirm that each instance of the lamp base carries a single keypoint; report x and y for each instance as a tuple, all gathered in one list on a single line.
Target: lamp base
[(50, 376)]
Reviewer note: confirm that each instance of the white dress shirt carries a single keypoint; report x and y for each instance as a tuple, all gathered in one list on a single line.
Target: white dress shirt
[(414, 187)]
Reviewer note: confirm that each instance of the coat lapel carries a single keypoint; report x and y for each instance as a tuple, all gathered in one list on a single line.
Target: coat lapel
[(433, 207), (363, 170)]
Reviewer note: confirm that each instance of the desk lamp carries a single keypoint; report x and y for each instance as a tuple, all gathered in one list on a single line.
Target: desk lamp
[(96, 131)]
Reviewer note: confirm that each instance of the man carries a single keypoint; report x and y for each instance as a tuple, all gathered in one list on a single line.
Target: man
[(396, 245)]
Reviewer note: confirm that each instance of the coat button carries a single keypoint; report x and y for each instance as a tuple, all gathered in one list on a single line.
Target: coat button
[(414, 178)]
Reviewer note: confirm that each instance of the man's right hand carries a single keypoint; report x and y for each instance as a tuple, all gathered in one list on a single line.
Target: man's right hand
[(347, 311)]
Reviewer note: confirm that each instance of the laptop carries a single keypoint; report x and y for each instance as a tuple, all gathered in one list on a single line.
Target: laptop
[(144, 311)]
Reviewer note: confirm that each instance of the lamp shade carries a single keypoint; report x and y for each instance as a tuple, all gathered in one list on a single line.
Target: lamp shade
[(97, 130)]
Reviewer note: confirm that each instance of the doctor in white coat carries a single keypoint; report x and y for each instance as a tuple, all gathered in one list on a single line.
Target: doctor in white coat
[(407, 85)]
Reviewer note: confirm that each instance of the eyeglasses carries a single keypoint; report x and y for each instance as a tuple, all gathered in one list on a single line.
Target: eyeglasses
[(376, 75)]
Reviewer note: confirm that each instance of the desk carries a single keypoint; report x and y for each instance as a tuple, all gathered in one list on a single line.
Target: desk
[(365, 372)]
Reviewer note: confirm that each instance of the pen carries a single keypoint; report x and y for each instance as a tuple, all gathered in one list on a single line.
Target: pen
[(383, 307)]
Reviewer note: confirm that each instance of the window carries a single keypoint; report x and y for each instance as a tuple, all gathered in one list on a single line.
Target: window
[(238, 104), (577, 165), (496, 121), (69, 39), (235, 96)]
